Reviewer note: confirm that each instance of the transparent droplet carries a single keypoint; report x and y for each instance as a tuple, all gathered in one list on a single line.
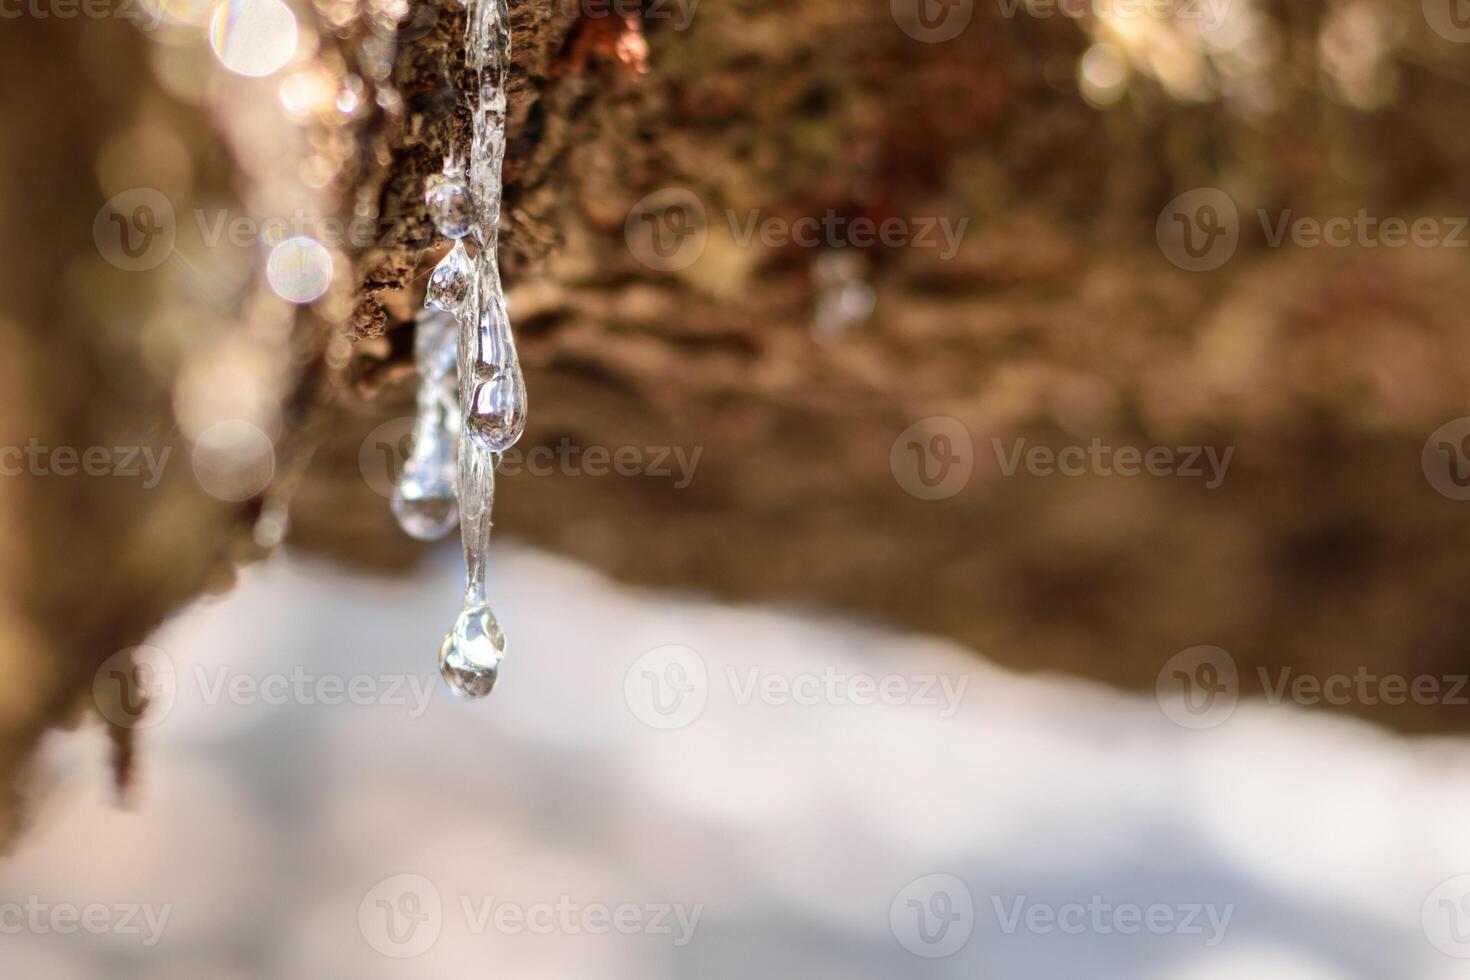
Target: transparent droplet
[(449, 283), (435, 349), (451, 207), (469, 658), (497, 415), (425, 504)]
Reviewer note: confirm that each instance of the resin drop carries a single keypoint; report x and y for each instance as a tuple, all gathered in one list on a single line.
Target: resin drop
[(498, 413), (470, 657), (449, 283), (451, 207), (497, 397), (425, 502)]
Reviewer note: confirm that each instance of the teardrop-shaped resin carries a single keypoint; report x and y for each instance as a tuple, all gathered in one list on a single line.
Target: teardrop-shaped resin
[(450, 206), (469, 658), (497, 414), (426, 509), (449, 283), (435, 344)]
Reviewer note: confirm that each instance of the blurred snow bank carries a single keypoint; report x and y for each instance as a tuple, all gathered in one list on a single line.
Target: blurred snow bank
[(667, 787)]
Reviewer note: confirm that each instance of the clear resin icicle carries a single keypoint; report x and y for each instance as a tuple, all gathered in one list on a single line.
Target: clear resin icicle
[(425, 500), (491, 390), (496, 413)]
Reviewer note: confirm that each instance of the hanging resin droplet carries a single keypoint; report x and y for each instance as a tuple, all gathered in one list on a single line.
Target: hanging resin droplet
[(436, 347), (449, 283), (498, 412), (469, 658), (491, 392), (450, 206), (470, 655), (497, 409), (425, 502)]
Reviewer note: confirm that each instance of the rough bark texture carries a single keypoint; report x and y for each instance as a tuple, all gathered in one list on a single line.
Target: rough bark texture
[(1058, 320)]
